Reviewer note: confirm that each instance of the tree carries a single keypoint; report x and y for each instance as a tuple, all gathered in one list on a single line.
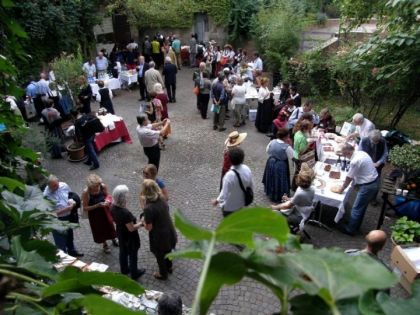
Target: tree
[(392, 54)]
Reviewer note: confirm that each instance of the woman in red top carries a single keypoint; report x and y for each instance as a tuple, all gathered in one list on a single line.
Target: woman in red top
[(161, 95)]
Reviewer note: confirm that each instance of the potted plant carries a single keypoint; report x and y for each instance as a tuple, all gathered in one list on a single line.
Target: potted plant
[(407, 159), (76, 149), (405, 232)]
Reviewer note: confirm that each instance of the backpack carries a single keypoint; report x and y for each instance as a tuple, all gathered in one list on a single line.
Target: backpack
[(248, 192)]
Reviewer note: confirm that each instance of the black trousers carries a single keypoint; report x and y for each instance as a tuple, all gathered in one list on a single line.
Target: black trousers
[(203, 104), (153, 154), (143, 90), (128, 257), (165, 265), (171, 88)]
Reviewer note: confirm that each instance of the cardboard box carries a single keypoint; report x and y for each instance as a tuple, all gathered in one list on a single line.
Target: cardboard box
[(407, 261)]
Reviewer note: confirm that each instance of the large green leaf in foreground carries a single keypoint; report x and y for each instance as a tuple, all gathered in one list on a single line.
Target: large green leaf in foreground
[(392, 306)]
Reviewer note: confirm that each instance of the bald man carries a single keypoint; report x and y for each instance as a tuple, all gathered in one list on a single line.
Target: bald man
[(375, 242)]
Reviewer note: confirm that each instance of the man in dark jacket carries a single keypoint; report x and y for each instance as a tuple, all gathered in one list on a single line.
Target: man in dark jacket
[(142, 67), (170, 71)]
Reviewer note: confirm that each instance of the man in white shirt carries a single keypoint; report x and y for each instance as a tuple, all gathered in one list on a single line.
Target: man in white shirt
[(363, 127), (149, 134), (364, 176), (101, 64), (232, 197), (258, 64), (89, 69), (58, 193)]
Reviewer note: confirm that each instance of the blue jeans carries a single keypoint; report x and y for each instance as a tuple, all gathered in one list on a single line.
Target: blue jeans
[(64, 240), (366, 194), (90, 151)]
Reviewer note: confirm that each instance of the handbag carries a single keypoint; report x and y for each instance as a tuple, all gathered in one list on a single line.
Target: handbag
[(196, 90), (215, 108), (248, 192)]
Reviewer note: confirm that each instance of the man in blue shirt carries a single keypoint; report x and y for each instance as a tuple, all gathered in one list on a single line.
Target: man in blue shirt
[(58, 193), (31, 89)]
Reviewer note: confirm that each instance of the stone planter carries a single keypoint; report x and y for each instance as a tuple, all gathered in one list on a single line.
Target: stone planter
[(76, 152)]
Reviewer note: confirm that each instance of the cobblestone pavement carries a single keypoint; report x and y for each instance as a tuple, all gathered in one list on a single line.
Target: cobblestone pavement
[(190, 166)]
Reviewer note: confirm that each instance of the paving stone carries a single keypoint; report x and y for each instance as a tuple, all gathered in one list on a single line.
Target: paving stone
[(191, 167)]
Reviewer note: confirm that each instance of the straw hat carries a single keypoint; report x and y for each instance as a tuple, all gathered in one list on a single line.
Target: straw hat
[(235, 138)]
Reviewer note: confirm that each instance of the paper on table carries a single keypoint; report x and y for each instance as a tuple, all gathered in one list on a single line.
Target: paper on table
[(413, 253)]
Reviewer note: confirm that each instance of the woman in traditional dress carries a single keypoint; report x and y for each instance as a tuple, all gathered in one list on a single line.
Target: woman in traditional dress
[(264, 117), (276, 178), (96, 202)]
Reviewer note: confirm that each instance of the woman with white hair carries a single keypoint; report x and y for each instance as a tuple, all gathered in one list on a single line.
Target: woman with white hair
[(157, 220), (161, 95), (127, 231)]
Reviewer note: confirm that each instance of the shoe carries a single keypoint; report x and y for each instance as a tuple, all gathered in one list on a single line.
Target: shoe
[(170, 270), (87, 163), (159, 277), (76, 254), (214, 127), (343, 229), (174, 101), (93, 167), (270, 135), (115, 242), (222, 129), (139, 273), (106, 249)]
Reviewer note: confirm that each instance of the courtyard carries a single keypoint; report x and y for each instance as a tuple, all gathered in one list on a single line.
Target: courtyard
[(191, 167)]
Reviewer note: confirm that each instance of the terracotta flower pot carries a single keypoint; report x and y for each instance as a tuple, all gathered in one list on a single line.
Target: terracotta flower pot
[(76, 152)]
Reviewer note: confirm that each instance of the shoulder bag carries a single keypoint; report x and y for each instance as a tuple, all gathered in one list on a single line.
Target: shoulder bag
[(249, 194)]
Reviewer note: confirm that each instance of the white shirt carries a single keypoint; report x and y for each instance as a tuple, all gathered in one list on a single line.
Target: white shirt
[(238, 93), (88, 69), (147, 136), (258, 64), (60, 197), (101, 63), (232, 197), (263, 94), (132, 46), (364, 129), (362, 170)]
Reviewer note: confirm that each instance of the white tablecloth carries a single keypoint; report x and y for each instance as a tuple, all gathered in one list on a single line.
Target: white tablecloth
[(128, 78), (112, 84), (325, 195)]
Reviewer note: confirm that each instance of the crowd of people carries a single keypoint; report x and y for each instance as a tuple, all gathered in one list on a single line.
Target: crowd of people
[(222, 78)]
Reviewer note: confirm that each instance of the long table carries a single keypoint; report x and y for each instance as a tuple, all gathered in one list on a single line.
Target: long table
[(112, 84)]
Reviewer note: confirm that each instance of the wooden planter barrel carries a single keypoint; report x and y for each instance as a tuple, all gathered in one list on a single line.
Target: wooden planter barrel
[(76, 152)]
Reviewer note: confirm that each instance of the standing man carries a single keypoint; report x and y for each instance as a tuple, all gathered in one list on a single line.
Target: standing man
[(147, 49), (169, 72), (363, 127), (87, 135), (89, 69), (258, 64), (58, 193), (176, 46), (375, 146), (42, 93), (141, 69), (232, 197), (219, 100), (151, 77), (101, 64), (198, 78), (193, 50), (149, 137), (364, 176), (156, 52)]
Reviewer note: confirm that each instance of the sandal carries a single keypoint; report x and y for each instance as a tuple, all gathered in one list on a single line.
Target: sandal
[(106, 249), (158, 276)]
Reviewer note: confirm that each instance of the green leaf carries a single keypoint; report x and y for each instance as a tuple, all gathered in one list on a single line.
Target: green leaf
[(189, 229), (31, 260), (240, 227), (368, 304), (33, 199), (74, 280), (333, 275), (194, 250), (301, 304), (225, 268), (97, 305), (7, 3), (43, 248), (11, 184), (392, 306)]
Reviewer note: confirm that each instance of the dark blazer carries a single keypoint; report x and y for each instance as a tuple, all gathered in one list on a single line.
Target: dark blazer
[(169, 71), (145, 68)]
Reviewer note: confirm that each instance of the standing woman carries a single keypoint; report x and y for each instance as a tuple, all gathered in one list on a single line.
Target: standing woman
[(85, 95), (279, 167), (239, 102), (104, 97), (157, 220), (96, 202), (161, 95), (265, 108), (302, 131), (150, 172), (127, 231)]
